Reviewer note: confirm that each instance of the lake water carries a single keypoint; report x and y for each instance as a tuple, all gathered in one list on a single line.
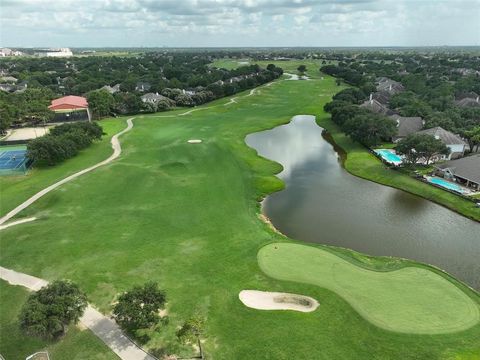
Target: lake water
[(323, 203)]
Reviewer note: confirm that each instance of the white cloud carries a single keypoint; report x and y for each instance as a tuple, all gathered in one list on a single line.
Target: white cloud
[(239, 22)]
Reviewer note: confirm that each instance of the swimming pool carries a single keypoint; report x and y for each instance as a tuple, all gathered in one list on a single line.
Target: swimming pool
[(389, 156), (446, 184)]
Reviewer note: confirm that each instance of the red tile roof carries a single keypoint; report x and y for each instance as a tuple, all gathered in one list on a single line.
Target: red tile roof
[(69, 102)]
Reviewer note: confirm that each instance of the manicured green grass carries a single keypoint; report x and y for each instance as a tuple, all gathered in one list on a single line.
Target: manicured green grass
[(18, 188), (289, 66), (361, 163), (186, 215), (77, 344), (410, 299), (12, 147)]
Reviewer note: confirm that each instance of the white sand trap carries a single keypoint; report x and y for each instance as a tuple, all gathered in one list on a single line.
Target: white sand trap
[(266, 300), (194, 141)]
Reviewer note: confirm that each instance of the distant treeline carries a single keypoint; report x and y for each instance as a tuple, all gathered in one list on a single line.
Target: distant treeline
[(185, 78), (434, 83)]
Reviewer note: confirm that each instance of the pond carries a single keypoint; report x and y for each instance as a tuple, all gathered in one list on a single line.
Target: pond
[(325, 204)]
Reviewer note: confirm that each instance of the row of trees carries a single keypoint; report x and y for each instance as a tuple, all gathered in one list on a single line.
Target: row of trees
[(102, 103), (31, 105), (360, 124), (433, 81), (48, 312), (63, 142)]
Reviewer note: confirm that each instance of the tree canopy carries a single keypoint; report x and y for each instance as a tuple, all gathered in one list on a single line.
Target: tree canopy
[(138, 308), (370, 129), (421, 146), (51, 309)]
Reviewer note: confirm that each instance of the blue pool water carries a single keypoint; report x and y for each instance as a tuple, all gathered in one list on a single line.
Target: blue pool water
[(389, 156), (446, 184)]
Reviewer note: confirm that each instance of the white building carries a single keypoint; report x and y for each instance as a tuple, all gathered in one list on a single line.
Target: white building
[(9, 52), (62, 52)]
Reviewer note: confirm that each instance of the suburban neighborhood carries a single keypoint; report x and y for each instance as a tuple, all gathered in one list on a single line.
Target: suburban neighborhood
[(251, 180)]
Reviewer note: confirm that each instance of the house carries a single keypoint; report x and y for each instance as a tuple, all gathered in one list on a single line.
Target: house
[(9, 79), (406, 126), (111, 89), (9, 52), (153, 98), (382, 97), (188, 92), (454, 142), (21, 87), (465, 171), (376, 106), (389, 86), (470, 99), (70, 108), (142, 86), (7, 87)]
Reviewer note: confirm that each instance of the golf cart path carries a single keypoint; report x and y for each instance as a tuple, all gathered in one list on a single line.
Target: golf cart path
[(117, 150), (230, 102), (103, 327)]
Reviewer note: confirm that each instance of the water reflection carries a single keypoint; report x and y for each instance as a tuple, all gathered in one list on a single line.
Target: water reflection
[(323, 203)]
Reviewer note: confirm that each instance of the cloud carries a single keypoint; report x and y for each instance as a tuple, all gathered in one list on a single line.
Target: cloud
[(238, 22)]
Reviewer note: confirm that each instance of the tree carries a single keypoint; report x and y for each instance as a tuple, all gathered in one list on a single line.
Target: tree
[(417, 146), (351, 95), (369, 128), (101, 102), (473, 137), (301, 69), (51, 309), (271, 67), (191, 331), (138, 308)]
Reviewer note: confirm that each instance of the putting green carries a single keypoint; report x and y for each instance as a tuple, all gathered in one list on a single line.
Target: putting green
[(408, 300)]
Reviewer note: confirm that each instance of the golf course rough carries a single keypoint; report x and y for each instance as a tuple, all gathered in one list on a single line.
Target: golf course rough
[(408, 300)]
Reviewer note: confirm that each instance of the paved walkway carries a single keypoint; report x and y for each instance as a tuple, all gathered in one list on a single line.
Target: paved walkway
[(117, 150), (18, 222), (106, 329)]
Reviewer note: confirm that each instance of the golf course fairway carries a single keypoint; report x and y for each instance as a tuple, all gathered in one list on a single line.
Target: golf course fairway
[(411, 299), (187, 216)]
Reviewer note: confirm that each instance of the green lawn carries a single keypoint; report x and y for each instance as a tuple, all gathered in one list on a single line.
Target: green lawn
[(361, 163), (289, 66), (76, 345), (187, 216), (409, 300), (16, 189)]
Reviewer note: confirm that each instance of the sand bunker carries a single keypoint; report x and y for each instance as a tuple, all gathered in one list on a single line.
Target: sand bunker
[(194, 141), (265, 300)]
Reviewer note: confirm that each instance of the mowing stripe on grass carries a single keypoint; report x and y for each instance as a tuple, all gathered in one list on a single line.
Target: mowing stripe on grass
[(408, 300)]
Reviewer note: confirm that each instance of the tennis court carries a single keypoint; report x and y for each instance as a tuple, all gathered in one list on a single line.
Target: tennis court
[(13, 160)]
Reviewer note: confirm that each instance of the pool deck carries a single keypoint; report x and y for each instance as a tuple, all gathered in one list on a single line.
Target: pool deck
[(466, 191)]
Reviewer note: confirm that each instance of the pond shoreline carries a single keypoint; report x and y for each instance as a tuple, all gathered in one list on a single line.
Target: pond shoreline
[(450, 206), (341, 159)]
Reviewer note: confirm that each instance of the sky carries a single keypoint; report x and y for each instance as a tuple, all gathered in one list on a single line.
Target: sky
[(238, 23)]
